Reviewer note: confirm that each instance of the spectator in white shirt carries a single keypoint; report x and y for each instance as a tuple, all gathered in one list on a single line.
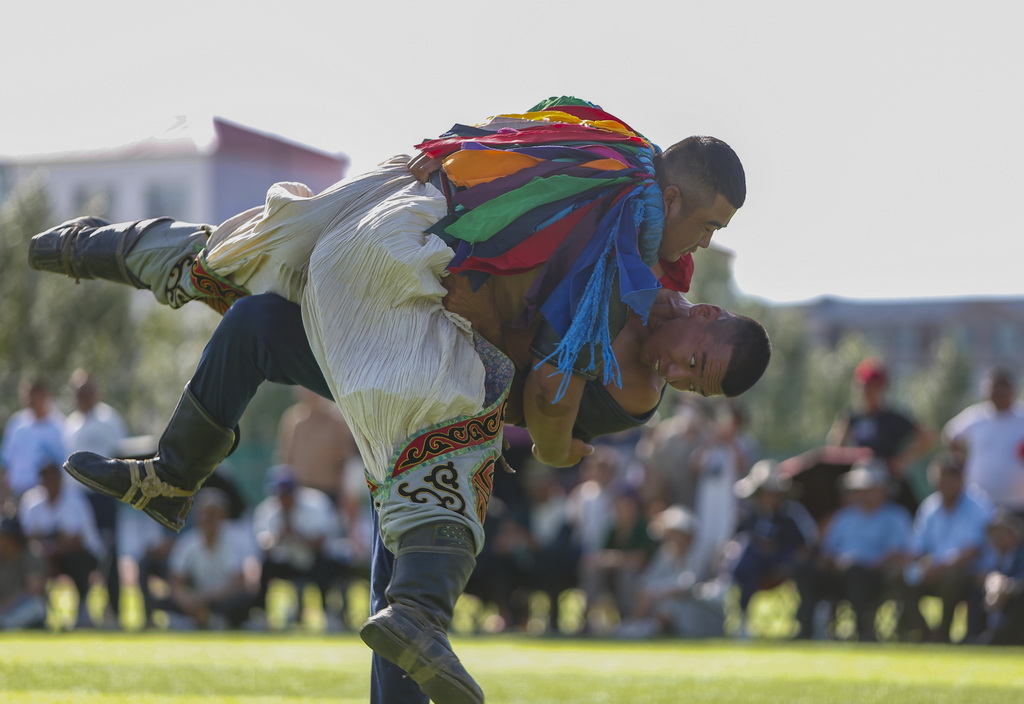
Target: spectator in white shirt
[(95, 426), (62, 525), (292, 527), (206, 565), (991, 433)]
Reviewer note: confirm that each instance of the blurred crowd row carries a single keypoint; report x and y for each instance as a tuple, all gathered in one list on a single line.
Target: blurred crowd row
[(662, 530)]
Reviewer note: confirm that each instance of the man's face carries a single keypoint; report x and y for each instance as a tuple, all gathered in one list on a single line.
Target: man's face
[(1003, 539), (872, 498), (39, 402), (873, 392), (950, 485), (1000, 392), (209, 518), (49, 478), (691, 225), (688, 350), (86, 396), (287, 498)]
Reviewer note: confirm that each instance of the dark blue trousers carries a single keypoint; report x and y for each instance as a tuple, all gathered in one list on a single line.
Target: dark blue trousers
[(261, 338)]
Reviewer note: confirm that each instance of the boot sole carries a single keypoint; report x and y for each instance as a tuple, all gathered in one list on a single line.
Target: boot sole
[(441, 688), (155, 515)]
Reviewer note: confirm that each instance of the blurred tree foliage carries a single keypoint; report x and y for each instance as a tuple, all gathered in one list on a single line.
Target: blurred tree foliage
[(50, 325), (141, 353)]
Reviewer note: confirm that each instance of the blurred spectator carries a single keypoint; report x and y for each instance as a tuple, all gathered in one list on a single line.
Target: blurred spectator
[(613, 570), (991, 433), (33, 436), (590, 501), (206, 565), (862, 551), (555, 558), (96, 427), (292, 527), (503, 568), (1003, 584), (774, 535), (148, 544), (666, 452), (22, 580), (669, 599), (314, 440), (62, 525), (949, 534), (530, 548), (891, 435), (719, 462)]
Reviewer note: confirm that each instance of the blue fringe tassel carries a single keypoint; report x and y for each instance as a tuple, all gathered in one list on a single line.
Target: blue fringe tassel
[(652, 226), (590, 325)]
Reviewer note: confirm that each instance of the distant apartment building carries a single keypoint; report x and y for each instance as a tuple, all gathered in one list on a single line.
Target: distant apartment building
[(989, 331), (200, 172)]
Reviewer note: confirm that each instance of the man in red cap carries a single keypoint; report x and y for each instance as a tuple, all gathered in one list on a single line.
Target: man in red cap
[(891, 435)]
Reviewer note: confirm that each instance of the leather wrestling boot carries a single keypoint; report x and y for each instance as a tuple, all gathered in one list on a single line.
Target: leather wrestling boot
[(432, 566), (89, 248), (190, 449)]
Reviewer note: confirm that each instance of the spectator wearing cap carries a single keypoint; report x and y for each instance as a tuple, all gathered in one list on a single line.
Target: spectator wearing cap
[(292, 527), (613, 570), (1003, 580), (22, 580), (208, 586), (949, 535), (775, 533), (33, 437), (670, 600), (61, 523), (892, 435), (991, 433), (862, 551)]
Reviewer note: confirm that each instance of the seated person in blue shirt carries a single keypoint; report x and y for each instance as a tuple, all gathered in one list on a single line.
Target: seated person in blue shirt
[(1003, 580), (949, 534), (775, 533), (862, 551)]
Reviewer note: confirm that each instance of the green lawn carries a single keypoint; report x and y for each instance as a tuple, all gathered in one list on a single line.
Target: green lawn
[(123, 668)]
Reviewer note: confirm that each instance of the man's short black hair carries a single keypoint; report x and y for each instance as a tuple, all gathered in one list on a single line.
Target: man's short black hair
[(751, 352), (705, 166)]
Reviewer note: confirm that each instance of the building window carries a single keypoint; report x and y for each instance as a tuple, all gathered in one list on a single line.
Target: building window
[(166, 199)]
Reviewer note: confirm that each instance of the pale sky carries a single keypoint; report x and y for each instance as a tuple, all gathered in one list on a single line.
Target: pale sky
[(883, 140)]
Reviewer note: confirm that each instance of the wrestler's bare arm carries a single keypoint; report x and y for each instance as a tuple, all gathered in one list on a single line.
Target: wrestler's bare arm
[(550, 421)]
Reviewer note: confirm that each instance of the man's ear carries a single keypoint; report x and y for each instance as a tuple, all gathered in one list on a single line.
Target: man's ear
[(672, 198), (706, 311)]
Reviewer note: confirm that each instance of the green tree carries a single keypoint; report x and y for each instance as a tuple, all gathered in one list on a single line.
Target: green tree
[(51, 326)]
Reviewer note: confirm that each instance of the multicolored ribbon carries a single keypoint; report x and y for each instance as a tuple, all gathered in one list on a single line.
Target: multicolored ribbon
[(568, 188)]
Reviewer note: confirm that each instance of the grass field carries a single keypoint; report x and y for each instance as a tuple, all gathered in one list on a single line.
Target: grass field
[(292, 668)]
